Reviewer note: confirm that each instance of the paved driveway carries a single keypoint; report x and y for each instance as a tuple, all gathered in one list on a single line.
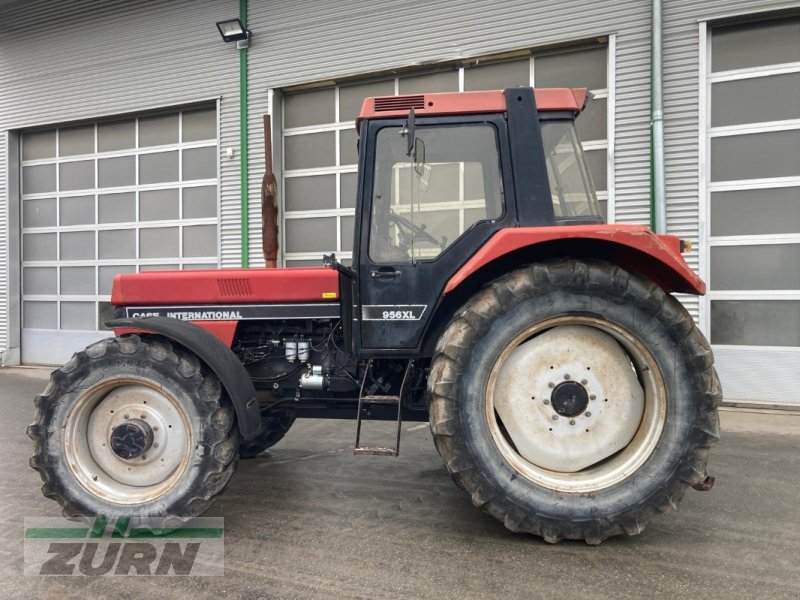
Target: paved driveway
[(310, 520)]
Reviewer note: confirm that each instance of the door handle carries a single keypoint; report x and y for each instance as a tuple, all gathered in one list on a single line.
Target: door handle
[(385, 273)]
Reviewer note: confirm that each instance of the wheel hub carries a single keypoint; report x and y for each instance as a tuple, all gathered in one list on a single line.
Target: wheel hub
[(569, 399), (131, 439), (128, 440)]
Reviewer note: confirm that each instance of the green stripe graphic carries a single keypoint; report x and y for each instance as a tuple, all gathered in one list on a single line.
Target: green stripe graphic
[(99, 527), (121, 527), (186, 532), (55, 532)]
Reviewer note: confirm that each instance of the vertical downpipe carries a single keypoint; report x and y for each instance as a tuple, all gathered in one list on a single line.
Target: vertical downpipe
[(659, 204), (245, 203)]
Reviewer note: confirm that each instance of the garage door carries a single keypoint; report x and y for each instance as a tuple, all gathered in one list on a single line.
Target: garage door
[(111, 197), (319, 138), (753, 208)]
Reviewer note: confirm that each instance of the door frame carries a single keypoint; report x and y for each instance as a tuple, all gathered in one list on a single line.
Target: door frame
[(457, 253), (731, 353)]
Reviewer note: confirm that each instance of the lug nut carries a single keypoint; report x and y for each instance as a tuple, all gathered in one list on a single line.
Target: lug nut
[(551, 385), (584, 382), (144, 416), (125, 416), (566, 376), (588, 414), (155, 427), (155, 444), (547, 401), (592, 397), (144, 456), (572, 421), (555, 417)]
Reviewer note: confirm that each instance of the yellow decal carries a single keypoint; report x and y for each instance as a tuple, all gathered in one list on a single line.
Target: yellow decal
[(326, 295)]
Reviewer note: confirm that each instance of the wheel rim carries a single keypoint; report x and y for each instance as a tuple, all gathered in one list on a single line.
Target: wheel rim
[(550, 416), (128, 440)]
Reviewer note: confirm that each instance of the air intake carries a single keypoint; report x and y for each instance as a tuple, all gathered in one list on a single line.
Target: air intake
[(392, 103), (234, 287)]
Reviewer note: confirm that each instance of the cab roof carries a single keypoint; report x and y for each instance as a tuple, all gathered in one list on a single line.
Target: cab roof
[(454, 103)]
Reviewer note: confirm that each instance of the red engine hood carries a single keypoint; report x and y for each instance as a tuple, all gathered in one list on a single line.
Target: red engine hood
[(226, 286)]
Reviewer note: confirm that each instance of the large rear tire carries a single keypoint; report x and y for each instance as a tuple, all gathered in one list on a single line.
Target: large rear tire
[(133, 426), (574, 400)]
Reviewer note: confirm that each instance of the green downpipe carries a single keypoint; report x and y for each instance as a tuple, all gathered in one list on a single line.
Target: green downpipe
[(245, 207), (652, 164)]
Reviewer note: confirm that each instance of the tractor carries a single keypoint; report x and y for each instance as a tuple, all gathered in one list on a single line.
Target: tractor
[(568, 392)]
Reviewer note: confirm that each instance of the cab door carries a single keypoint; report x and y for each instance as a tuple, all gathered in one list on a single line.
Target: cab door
[(424, 212)]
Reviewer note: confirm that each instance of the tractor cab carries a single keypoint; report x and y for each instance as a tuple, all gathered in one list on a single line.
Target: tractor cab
[(440, 175)]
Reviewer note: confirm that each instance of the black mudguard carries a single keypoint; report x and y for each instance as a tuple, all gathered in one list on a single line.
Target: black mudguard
[(217, 356)]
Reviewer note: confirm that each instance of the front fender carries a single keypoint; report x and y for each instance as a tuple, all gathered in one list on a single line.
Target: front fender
[(633, 247), (216, 355)]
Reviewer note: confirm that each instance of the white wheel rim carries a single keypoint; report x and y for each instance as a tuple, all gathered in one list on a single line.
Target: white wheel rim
[(87, 440), (604, 443)]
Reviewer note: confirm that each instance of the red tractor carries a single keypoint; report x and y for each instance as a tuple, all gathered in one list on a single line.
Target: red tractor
[(568, 392)]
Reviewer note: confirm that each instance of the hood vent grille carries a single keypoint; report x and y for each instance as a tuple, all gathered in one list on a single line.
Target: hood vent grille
[(234, 287), (391, 103)]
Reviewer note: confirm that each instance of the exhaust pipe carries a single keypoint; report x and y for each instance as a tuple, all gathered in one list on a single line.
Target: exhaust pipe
[(269, 202)]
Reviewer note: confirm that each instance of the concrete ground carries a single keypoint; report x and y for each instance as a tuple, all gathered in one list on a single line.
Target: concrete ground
[(310, 520)]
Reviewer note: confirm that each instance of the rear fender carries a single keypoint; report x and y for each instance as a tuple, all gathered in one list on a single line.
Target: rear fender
[(633, 247), (216, 355)]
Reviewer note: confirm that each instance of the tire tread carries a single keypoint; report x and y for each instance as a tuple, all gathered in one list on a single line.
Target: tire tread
[(220, 461), (604, 282)]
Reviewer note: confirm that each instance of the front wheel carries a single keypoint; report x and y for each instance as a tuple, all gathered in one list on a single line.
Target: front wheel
[(275, 424), (134, 426), (589, 407)]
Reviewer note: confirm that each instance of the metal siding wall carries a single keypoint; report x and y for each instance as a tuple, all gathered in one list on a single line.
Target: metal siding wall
[(681, 112), (5, 267), (258, 106), (73, 60), (86, 59), (308, 41)]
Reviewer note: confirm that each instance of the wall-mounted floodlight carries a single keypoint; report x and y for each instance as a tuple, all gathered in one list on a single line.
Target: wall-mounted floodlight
[(232, 30)]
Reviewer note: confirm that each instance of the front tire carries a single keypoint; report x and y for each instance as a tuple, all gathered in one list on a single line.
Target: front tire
[(617, 444), (134, 426), (274, 425)]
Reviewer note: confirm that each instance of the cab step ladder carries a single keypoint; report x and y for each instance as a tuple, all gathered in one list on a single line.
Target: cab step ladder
[(364, 400)]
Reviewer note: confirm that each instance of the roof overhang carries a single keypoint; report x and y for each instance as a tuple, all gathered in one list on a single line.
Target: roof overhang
[(454, 103)]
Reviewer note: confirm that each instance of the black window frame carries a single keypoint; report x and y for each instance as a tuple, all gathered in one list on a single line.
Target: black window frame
[(422, 123)]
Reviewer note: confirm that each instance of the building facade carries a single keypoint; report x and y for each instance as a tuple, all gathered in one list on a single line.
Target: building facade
[(121, 146)]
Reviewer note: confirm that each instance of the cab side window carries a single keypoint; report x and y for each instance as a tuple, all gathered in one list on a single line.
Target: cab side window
[(424, 201)]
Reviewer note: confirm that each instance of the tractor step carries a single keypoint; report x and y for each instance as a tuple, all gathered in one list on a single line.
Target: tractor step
[(366, 399), (380, 399), (374, 451)]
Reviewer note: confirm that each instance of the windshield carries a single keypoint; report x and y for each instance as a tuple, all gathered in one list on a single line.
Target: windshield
[(427, 193), (570, 182)]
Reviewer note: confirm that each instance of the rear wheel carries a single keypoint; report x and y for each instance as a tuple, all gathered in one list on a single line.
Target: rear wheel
[(589, 408), (134, 426)]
